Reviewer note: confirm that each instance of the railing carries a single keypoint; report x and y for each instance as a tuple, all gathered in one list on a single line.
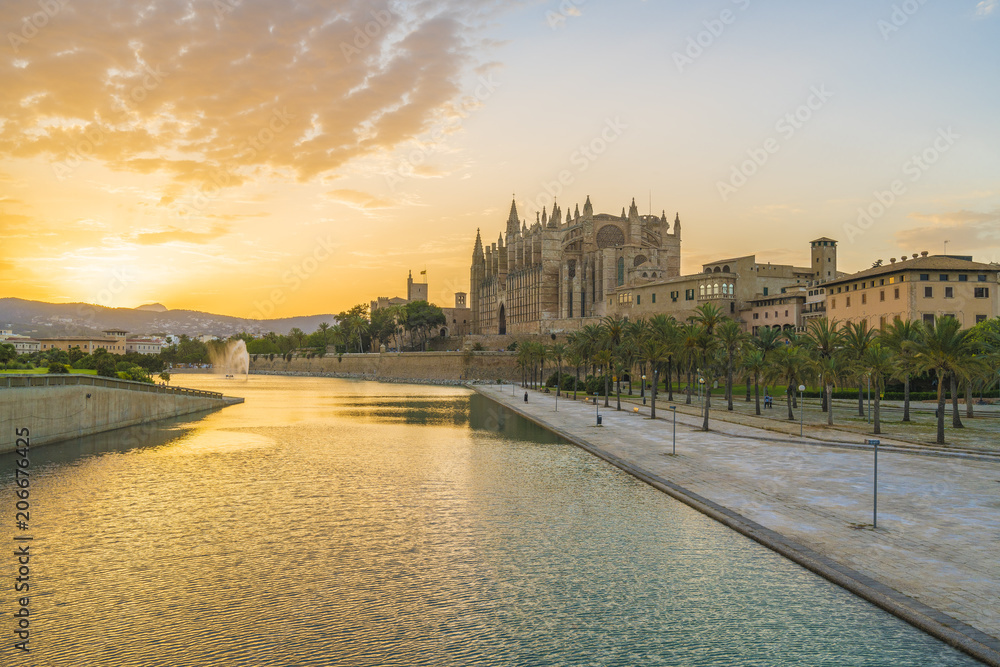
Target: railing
[(53, 380)]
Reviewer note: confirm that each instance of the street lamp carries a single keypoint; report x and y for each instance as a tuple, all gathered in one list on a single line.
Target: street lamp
[(869, 398), (597, 408), (673, 408), (802, 408), (701, 387), (875, 444), (644, 390)]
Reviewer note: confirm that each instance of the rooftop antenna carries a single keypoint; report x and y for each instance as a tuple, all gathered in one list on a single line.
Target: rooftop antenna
[(946, 247)]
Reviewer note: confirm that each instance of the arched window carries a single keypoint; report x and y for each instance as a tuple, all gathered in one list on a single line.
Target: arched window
[(715, 289), (725, 269), (718, 270), (702, 291), (621, 271), (644, 275)]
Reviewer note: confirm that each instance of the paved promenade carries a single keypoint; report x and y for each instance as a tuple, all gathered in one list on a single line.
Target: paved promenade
[(938, 536)]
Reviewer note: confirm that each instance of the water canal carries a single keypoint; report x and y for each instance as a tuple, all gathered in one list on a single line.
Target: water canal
[(333, 522)]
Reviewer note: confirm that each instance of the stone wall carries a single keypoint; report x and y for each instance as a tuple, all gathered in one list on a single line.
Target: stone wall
[(400, 366), (65, 411)]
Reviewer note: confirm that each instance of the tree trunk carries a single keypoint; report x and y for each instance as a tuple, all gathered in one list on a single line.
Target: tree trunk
[(652, 409), (968, 399), (607, 394), (788, 398), (642, 387), (670, 381), (619, 395), (956, 418), (729, 388), (559, 379), (906, 398), (878, 423), (756, 392), (861, 399), (828, 395), (940, 409), (576, 382), (688, 388), (825, 404), (748, 388), (708, 404)]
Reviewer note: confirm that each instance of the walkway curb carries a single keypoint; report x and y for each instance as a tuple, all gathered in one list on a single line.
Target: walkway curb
[(950, 630)]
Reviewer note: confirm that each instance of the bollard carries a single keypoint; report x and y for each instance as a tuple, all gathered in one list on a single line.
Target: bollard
[(525, 397)]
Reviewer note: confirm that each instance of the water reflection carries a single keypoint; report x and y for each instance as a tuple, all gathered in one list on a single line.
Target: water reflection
[(338, 523)]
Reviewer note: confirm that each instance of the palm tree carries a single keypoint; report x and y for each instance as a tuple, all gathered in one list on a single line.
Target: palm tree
[(857, 336), (894, 338), (708, 315), (688, 347), (831, 370), (941, 348), (755, 365), (557, 352), (664, 329), (768, 340), (879, 362), (730, 335), (825, 339), (603, 359), (790, 365), (655, 353), (574, 359)]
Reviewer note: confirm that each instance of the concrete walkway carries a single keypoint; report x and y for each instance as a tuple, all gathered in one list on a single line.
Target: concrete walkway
[(934, 558)]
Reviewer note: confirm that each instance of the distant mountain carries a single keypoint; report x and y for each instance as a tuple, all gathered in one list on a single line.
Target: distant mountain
[(38, 318), (153, 307)]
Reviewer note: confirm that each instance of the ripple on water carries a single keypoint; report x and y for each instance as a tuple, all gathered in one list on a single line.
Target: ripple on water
[(330, 523)]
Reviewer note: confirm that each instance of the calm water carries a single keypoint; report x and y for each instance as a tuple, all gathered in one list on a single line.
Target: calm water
[(330, 522)]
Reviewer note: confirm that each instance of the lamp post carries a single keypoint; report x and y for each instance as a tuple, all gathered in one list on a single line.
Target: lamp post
[(597, 408), (701, 388), (802, 408), (875, 444), (673, 408), (644, 390)]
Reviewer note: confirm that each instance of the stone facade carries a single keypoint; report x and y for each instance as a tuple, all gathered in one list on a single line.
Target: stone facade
[(558, 273)]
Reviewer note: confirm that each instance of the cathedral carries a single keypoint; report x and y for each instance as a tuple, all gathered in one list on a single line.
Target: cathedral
[(566, 269)]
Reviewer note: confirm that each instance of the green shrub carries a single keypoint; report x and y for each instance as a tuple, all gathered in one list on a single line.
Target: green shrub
[(56, 367)]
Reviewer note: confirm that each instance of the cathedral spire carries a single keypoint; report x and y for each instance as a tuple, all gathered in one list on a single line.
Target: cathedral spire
[(513, 226), (677, 223), (477, 250), (588, 209)]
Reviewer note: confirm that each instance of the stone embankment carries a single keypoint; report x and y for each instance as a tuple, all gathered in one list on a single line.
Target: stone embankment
[(423, 367), (55, 408)]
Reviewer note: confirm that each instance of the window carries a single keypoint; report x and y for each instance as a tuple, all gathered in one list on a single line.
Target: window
[(925, 276), (755, 316), (833, 303), (928, 292), (786, 313), (765, 315), (929, 319), (881, 295), (881, 322), (621, 270), (943, 277), (980, 318), (654, 298), (881, 281), (949, 292), (864, 299), (962, 278), (848, 304), (895, 293), (981, 292), (765, 291), (689, 295), (981, 278), (638, 297)]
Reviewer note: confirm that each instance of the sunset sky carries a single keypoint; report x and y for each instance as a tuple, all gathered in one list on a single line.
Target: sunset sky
[(257, 158)]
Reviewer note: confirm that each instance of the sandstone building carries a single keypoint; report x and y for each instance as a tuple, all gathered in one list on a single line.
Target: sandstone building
[(560, 272)]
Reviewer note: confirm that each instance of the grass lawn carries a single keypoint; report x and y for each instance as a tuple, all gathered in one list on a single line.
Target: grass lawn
[(43, 371)]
